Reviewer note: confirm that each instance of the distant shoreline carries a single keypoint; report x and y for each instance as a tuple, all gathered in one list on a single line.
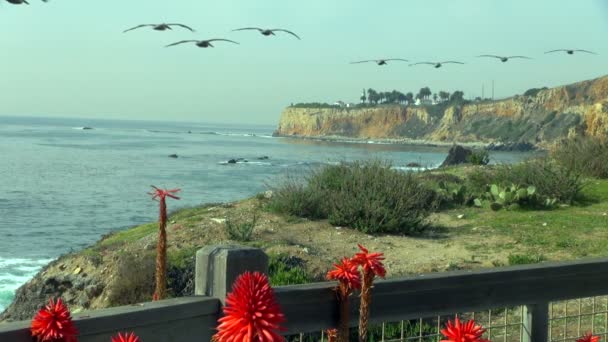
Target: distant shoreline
[(388, 141)]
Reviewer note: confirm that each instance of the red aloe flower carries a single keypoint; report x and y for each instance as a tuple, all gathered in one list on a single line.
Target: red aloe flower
[(589, 338), (372, 267), (161, 248), (127, 337), (53, 323), (252, 313), (463, 332), (332, 335), (346, 273), (371, 262)]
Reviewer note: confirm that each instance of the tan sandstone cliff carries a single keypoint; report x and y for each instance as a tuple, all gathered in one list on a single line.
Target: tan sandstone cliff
[(579, 108)]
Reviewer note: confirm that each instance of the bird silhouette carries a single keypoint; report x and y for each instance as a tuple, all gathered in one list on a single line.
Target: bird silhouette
[(202, 43), (21, 2), (571, 52), (159, 27), (437, 64), (381, 61), (267, 32), (503, 58)]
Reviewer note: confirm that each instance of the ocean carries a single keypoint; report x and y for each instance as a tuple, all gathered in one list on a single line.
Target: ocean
[(63, 186)]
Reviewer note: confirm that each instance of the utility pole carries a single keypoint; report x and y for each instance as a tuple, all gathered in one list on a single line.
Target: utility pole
[(492, 89), (482, 91)]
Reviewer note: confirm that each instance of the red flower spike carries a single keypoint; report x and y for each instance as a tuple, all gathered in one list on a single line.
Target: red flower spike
[(252, 313), (161, 194), (346, 273), (463, 332), (370, 262), (589, 338), (127, 337), (53, 323)]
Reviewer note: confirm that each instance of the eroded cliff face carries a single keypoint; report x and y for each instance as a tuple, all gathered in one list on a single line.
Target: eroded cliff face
[(580, 108)]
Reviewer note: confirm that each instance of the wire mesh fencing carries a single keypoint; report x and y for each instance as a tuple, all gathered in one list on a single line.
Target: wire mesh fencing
[(568, 321)]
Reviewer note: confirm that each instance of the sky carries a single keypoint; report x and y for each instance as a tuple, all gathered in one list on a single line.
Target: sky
[(69, 58)]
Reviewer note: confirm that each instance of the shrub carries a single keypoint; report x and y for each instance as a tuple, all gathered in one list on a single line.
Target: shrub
[(287, 270), (296, 198), (523, 259), (586, 155), (550, 179), (241, 229), (368, 196), (479, 157)]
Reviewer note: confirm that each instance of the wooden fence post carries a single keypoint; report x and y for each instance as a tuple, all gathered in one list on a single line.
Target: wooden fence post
[(218, 266), (536, 322)]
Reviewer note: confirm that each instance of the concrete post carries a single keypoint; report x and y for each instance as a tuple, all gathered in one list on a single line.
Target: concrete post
[(535, 322), (218, 266)]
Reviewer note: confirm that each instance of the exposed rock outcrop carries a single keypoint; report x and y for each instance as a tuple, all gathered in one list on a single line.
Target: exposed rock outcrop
[(538, 119)]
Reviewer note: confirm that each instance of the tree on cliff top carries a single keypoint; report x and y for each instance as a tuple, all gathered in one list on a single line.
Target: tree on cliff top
[(457, 96), (444, 95)]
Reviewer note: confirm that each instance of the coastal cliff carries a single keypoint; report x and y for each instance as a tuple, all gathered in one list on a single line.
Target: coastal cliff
[(539, 119)]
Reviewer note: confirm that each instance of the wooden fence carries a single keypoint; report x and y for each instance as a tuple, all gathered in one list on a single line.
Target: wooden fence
[(313, 307)]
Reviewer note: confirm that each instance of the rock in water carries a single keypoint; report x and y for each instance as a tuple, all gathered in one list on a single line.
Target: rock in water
[(413, 164), (173, 155), (457, 155)]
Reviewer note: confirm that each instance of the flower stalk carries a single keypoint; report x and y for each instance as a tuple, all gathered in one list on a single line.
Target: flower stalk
[(160, 291)]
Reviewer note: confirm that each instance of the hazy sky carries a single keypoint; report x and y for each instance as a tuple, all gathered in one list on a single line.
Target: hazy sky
[(70, 58)]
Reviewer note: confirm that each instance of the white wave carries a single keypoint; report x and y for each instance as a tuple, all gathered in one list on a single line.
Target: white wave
[(15, 272)]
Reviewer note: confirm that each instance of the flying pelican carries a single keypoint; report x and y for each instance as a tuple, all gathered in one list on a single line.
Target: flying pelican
[(381, 61), (202, 43), (20, 2), (437, 64), (158, 27), (267, 32), (571, 52), (502, 58)]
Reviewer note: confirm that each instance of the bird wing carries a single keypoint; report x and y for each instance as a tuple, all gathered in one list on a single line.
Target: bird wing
[(493, 56), (397, 59), (182, 25), (362, 62), (181, 42), (519, 57), (287, 31), (455, 62), (431, 63), (587, 51), (248, 28), (136, 27), (556, 50), (221, 39)]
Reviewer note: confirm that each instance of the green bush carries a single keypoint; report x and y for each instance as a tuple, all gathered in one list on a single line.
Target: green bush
[(367, 196), (586, 155), (241, 229), (523, 259), (479, 157), (286, 270), (295, 198), (550, 179)]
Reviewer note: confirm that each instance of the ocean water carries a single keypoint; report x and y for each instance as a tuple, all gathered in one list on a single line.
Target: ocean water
[(63, 187)]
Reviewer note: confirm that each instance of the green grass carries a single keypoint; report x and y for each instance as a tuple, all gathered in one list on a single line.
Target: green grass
[(129, 235), (282, 272), (579, 230), (182, 257)]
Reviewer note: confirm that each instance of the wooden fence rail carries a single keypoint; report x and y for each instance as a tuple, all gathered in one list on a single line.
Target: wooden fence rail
[(313, 307)]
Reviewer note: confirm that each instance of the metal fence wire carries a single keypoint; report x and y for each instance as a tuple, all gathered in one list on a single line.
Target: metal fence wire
[(568, 321)]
